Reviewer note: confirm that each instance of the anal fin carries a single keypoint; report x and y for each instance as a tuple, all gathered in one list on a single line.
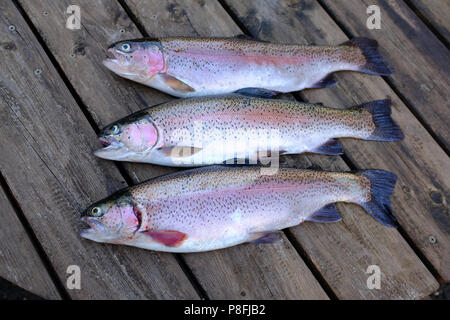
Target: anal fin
[(266, 237), (327, 213), (332, 147)]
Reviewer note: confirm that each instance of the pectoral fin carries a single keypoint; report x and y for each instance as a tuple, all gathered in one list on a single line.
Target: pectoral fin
[(179, 151), (175, 84), (170, 238), (266, 237)]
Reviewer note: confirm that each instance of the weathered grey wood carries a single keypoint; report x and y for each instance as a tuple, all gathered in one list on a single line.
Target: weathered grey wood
[(420, 60), (419, 198), (47, 161), (349, 272), (20, 263), (109, 97), (436, 12)]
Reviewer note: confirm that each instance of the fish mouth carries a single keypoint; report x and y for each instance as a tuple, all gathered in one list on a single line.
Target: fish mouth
[(95, 227), (113, 150), (107, 141), (111, 62)]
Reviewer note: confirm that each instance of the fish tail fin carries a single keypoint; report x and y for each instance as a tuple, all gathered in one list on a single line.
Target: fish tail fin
[(382, 185), (372, 63), (385, 127)]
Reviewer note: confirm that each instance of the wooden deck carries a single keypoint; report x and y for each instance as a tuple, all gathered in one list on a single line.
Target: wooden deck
[(55, 94)]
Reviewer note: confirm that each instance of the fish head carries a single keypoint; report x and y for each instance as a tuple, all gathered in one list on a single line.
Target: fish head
[(137, 60), (113, 219), (129, 139)]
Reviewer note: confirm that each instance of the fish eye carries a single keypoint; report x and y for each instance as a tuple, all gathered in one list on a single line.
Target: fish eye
[(114, 129), (96, 212), (125, 47)]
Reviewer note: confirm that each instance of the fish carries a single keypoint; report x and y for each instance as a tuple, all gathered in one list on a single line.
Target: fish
[(192, 67), (215, 207), (240, 129)]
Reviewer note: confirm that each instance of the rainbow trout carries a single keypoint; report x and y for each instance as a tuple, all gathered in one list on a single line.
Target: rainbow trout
[(187, 67), (218, 130), (215, 207)]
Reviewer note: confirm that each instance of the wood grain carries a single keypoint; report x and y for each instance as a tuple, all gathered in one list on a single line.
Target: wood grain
[(420, 198), (347, 251), (420, 60), (436, 13), (48, 164), (108, 98), (20, 262)]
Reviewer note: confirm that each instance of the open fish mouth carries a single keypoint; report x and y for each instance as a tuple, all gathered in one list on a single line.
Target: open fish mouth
[(112, 62), (113, 149), (107, 141), (95, 228)]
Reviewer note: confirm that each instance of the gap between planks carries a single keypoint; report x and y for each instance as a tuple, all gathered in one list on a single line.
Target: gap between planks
[(427, 22)]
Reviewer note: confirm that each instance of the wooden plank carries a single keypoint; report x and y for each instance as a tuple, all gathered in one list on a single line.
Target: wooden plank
[(47, 162), (341, 250), (109, 97), (419, 198), (21, 264), (420, 60), (436, 13)]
